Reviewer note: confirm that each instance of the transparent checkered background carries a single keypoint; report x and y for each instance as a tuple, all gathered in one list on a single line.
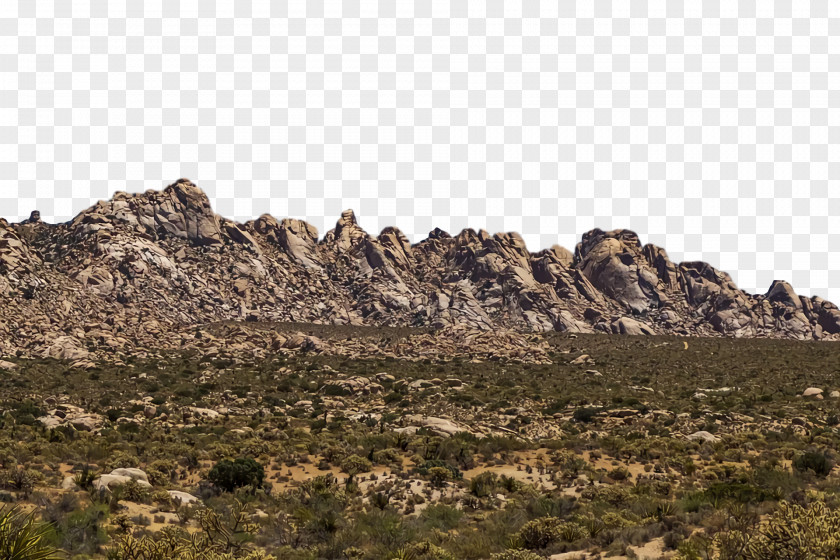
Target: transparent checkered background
[(711, 128)]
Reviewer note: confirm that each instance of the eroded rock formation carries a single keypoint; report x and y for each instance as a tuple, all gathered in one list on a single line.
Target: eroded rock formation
[(126, 271)]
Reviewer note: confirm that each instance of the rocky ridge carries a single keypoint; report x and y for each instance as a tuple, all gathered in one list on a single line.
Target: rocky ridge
[(127, 273)]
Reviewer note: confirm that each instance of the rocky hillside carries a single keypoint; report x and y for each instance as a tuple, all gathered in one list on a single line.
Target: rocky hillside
[(128, 272)]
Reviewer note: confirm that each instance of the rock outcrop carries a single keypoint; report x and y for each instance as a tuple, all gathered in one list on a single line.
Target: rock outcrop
[(128, 271)]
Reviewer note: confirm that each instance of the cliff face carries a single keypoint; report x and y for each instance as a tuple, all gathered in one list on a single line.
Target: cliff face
[(127, 271)]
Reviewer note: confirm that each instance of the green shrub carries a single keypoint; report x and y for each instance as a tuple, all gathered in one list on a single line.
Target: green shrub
[(793, 531), (518, 554), (813, 461), (584, 415), (441, 516), (539, 533), (439, 475), (426, 467), (80, 532), (354, 465), (229, 475), (484, 484)]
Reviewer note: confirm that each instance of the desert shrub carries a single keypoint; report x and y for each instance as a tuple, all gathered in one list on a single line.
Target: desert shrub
[(584, 415), (229, 475), (614, 495), (619, 473), (813, 461), (571, 531), (426, 467), (121, 460), (792, 531), (439, 475), (517, 554), (484, 484), (21, 480), (441, 516), (80, 532), (353, 465), (539, 533), (26, 412), (542, 505), (132, 491), (161, 471), (423, 550), (386, 456), (379, 500), (569, 462), (721, 492), (693, 501), (175, 544)]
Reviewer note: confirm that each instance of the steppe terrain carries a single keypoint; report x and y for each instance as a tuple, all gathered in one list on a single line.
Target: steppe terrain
[(628, 446), (174, 385)]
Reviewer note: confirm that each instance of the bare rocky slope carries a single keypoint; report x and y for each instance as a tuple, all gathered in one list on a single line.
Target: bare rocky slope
[(139, 269)]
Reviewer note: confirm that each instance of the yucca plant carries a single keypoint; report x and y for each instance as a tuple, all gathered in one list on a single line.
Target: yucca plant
[(84, 478), (22, 538)]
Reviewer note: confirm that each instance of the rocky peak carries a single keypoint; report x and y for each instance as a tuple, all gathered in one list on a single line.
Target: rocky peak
[(347, 232), (438, 233), (782, 292), (34, 218), (396, 247), (188, 210), (624, 238), (181, 210)]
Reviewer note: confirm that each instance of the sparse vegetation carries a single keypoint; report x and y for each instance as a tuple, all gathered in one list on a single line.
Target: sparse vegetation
[(509, 461)]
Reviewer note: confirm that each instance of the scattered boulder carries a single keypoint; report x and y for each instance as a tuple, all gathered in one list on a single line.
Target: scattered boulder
[(69, 484), (583, 359), (108, 481), (200, 413), (357, 385), (183, 497), (626, 325), (440, 426), (813, 392), (421, 384), (66, 348), (74, 416), (703, 435), (87, 422), (137, 474)]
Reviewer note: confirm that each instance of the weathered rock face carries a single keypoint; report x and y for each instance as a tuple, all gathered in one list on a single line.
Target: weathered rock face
[(614, 263), (130, 271), (182, 210), (15, 253)]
